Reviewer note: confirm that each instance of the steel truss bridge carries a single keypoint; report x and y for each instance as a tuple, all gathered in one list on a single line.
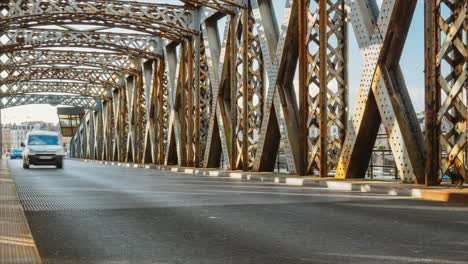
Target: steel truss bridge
[(213, 83)]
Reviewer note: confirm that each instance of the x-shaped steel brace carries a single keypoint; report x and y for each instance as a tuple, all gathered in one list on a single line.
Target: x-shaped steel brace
[(382, 95)]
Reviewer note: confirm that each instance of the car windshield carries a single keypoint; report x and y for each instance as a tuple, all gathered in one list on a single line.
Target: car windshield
[(43, 140), (17, 151)]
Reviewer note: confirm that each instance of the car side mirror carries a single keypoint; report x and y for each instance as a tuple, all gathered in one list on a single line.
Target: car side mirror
[(22, 145)]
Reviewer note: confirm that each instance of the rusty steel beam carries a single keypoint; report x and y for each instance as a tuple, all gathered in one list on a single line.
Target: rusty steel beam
[(323, 89), (303, 87), (446, 58), (245, 88), (218, 57), (225, 6), (137, 45), (113, 62), (168, 21), (92, 76), (383, 96), (78, 88), (280, 121), (25, 99)]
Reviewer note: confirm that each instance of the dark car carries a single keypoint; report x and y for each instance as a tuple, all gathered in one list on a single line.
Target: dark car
[(16, 153)]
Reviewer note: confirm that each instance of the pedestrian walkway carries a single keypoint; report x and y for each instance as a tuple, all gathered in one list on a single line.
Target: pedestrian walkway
[(17, 245)]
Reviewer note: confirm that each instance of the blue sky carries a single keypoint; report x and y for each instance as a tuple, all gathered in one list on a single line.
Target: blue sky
[(412, 64)]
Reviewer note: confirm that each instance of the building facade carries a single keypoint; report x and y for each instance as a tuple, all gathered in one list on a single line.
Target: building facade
[(14, 134)]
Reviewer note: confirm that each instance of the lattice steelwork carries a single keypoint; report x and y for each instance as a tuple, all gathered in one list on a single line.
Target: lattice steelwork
[(32, 38), (250, 95), (204, 101), (113, 62), (223, 84), (446, 89), (325, 101), (94, 76), (84, 89), (80, 101), (164, 114), (169, 21), (220, 5)]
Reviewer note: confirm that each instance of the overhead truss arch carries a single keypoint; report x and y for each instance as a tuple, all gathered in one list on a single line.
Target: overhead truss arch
[(225, 6), (93, 76), (112, 62), (89, 103), (169, 21), (138, 45), (77, 88)]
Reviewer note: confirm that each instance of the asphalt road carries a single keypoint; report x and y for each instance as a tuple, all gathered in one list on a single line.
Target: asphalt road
[(89, 213)]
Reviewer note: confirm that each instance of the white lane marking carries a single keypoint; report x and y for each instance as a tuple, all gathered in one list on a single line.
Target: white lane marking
[(411, 207), (398, 259)]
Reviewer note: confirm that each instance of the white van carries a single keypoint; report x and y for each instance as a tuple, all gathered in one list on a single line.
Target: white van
[(43, 148)]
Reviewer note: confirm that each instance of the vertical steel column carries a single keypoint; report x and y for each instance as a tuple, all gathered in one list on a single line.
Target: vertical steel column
[(115, 124), (1, 135), (181, 107), (204, 100), (161, 110), (148, 94), (98, 138), (303, 88), (107, 128), (197, 102), (123, 125), (446, 89), (233, 90), (323, 93), (139, 113), (245, 92), (189, 106), (432, 94), (130, 120)]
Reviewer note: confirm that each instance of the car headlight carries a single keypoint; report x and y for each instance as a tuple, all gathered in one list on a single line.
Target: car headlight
[(30, 152)]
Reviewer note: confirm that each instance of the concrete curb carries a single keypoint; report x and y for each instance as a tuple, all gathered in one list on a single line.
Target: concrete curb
[(18, 245), (365, 186)]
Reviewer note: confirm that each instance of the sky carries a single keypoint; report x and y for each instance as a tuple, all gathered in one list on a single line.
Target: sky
[(412, 64)]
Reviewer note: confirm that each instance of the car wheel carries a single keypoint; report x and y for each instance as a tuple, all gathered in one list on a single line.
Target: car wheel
[(60, 164), (25, 166)]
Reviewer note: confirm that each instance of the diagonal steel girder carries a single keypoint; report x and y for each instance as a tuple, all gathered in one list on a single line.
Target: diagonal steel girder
[(107, 61), (280, 51), (78, 88), (137, 45), (25, 99), (219, 61), (382, 95), (225, 6), (93, 76), (169, 21)]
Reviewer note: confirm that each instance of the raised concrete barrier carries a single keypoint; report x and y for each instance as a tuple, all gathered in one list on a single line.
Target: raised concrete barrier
[(438, 193), (16, 242)]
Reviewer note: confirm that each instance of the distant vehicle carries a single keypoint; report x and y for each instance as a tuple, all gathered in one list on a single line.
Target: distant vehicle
[(43, 148), (16, 153)]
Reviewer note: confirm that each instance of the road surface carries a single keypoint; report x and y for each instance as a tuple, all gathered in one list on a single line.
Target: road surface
[(88, 213)]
